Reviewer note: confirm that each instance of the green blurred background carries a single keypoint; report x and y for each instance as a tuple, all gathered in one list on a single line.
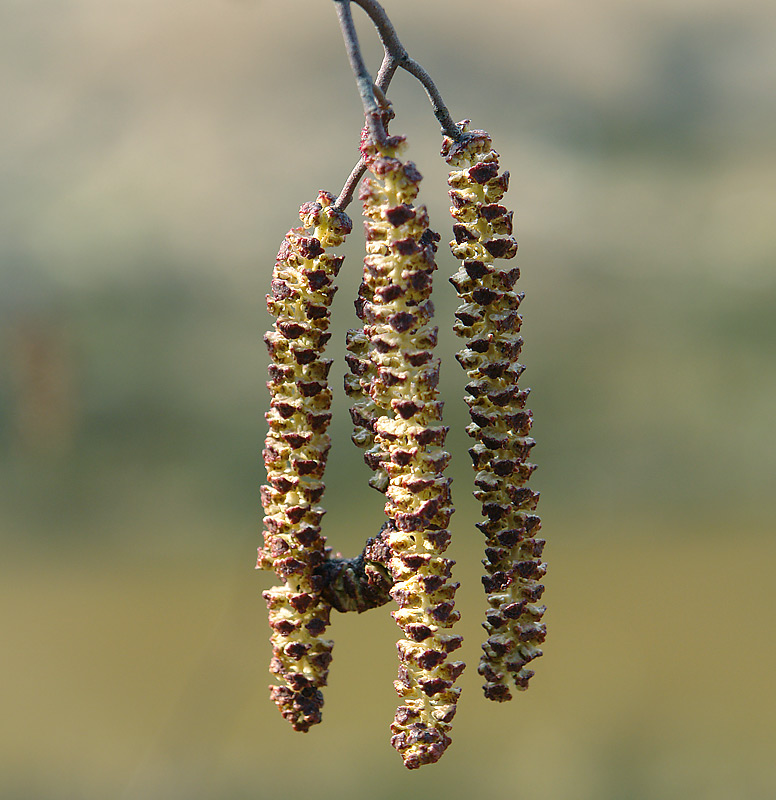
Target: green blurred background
[(152, 155)]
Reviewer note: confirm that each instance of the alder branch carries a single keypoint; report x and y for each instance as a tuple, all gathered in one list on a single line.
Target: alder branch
[(384, 76), (372, 109), (395, 56), (393, 45)]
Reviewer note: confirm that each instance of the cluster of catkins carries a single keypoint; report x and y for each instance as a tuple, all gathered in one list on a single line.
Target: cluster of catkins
[(397, 415)]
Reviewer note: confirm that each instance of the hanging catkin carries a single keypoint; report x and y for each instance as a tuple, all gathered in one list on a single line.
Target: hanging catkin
[(489, 322), (399, 417), (295, 454)]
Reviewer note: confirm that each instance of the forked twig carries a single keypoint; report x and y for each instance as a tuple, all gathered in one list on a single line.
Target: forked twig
[(393, 45), (372, 110), (396, 56)]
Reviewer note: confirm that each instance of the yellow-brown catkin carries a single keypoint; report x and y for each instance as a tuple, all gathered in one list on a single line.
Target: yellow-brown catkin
[(488, 321), (295, 454), (395, 377)]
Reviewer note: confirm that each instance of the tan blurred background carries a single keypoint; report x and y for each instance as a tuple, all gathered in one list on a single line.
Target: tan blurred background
[(152, 155)]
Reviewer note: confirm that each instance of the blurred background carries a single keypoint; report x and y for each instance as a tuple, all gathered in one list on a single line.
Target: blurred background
[(152, 157)]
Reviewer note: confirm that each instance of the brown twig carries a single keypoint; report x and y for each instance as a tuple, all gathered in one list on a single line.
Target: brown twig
[(384, 76), (393, 45), (372, 110), (395, 56)]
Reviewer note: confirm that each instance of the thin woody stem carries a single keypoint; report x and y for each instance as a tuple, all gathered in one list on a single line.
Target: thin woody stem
[(384, 76), (449, 128), (395, 56), (364, 82), (394, 47), (348, 190)]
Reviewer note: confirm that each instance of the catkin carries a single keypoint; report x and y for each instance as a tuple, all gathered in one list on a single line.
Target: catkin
[(398, 418), (295, 454), (489, 322)]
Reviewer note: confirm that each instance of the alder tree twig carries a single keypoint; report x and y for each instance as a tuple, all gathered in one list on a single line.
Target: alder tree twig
[(393, 45), (395, 56), (372, 109), (384, 76)]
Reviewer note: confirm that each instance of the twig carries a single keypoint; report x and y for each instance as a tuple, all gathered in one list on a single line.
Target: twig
[(394, 47), (395, 56), (384, 76), (372, 110)]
